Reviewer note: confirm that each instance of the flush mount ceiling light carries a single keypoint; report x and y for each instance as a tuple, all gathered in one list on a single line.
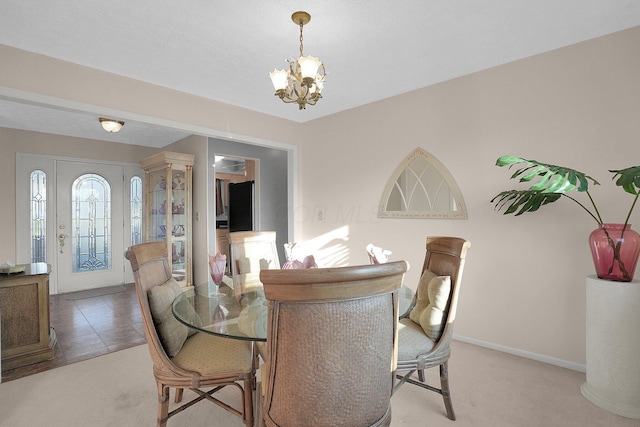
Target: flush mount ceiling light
[(302, 83), (111, 125)]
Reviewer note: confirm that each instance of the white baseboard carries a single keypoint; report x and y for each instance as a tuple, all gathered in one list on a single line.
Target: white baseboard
[(522, 353)]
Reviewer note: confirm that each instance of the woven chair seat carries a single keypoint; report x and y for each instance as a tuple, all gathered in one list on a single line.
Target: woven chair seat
[(208, 354), (412, 341)]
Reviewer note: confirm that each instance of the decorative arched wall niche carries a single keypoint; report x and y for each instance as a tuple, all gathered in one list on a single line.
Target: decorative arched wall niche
[(421, 187)]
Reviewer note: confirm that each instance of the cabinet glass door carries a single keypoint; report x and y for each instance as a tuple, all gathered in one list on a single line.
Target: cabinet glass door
[(156, 220), (178, 224)]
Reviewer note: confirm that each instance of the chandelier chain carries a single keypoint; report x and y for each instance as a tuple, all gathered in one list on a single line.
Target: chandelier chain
[(301, 25)]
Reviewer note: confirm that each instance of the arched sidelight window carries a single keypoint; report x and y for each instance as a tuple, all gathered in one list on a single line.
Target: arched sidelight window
[(91, 223), (136, 210), (38, 216), (421, 187)]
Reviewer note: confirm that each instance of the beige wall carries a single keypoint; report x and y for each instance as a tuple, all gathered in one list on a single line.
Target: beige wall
[(524, 284), (523, 287)]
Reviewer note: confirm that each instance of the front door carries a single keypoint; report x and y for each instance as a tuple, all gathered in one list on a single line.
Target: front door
[(97, 229), (89, 225)]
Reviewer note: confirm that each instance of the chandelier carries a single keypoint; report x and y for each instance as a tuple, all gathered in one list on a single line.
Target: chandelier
[(302, 83)]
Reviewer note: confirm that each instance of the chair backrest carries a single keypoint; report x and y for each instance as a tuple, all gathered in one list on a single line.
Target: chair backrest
[(332, 344), (251, 251), (446, 256), (150, 266)]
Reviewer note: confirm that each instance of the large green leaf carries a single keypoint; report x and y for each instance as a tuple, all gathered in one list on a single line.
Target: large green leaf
[(628, 179), (551, 178), (522, 201)]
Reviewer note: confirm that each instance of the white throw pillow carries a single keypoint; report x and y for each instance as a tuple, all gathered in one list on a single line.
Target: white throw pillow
[(433, 295), (172, 333), (423, 296)]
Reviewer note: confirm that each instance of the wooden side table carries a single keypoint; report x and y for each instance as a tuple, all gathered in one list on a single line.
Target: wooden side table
[(24, 317)]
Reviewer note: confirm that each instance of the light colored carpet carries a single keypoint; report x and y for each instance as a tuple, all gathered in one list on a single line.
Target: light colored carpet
[(489, 389)]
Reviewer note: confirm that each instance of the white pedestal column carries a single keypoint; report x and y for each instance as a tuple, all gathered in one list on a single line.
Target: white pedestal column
[(613, 346)]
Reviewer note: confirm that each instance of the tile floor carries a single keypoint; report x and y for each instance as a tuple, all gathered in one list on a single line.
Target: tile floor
[(87, 326)]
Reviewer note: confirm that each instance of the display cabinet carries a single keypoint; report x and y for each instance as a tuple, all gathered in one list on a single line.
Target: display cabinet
[(167, 214)]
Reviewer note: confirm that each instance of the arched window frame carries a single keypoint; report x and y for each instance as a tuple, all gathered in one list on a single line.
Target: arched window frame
[(460, 210), (91, 233)]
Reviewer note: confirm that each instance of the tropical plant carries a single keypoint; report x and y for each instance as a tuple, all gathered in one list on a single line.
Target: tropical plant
[(551, 182), (555, 182)]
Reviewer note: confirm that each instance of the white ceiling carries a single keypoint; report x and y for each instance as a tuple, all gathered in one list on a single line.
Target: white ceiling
[(224, 49)]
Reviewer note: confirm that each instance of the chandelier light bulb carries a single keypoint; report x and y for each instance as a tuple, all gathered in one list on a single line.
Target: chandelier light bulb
[(279, 78), (309, 66)]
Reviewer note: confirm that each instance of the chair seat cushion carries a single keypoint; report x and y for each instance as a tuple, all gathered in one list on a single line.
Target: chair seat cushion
[(412, 341), (172, 333), (209, 355), (433, 297)]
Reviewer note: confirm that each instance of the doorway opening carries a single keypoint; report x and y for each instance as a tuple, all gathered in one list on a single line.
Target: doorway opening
[(237, 189)]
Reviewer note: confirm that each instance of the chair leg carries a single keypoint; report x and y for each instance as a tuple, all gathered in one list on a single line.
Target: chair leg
[(163, 405), (257, 403), (446, 393), (248, 390), (178, 397)]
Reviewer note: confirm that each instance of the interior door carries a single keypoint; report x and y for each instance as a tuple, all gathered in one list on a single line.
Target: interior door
[(89, 225)]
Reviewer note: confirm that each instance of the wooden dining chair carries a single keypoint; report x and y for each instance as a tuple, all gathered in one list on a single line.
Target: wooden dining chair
[(251, 252), (331, 344), (182, 358), (424, 337)]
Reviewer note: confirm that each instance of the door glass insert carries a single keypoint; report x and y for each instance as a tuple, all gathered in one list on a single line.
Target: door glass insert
[(91, 223), (136, 210), (38, 216)]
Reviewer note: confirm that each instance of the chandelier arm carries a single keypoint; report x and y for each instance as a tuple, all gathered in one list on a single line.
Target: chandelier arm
[(287, 100)]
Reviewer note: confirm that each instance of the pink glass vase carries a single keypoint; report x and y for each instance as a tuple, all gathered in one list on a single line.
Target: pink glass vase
[(615, 249), (217, 267)]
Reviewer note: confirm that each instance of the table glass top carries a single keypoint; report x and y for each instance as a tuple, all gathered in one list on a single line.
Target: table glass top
[(242, 317)]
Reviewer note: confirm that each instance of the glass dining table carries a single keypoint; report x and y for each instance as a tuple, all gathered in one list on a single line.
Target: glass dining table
[(242, 317)]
